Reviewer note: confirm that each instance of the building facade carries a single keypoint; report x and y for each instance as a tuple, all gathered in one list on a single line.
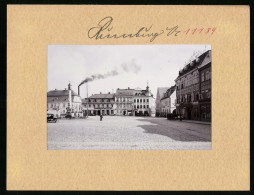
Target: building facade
[(205, 89), (189, 85), (160, 94), (166, 105), (98, 104), (60, 102), (134, 102), (124, 101), (143, 103)]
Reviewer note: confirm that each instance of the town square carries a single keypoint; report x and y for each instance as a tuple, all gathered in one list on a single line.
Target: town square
[(119, 102), (128, 133)]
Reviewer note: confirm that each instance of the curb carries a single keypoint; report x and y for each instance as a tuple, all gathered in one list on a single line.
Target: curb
[(197, 122)]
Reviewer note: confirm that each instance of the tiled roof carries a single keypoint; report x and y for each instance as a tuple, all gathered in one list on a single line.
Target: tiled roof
[(169, 92), (125, 92), (206, 60), (172, 89), (57, 93), (57, 98), (102, 96), (193, 64)]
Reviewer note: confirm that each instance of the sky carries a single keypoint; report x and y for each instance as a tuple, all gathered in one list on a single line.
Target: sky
[(116, 66)]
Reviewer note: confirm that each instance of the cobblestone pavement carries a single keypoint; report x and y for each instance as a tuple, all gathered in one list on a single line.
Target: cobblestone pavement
[(127, 133)]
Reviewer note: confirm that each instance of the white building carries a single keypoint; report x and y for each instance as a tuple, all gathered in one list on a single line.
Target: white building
[(144, 103), (61, 101), (167, 102)]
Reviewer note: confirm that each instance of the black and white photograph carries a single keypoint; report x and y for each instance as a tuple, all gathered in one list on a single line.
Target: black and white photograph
[(129, 97)]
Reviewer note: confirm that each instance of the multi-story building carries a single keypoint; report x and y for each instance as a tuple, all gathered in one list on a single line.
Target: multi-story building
[(135, 102), (98, 104), (166, 104), (188, 88), (173, 99), (205, 88), (160, 94), (143, 103), (124, 101), (62, 101)]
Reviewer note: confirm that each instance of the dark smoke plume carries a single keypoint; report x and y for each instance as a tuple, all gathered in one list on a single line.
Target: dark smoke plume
[(132, 67), (99, 76)]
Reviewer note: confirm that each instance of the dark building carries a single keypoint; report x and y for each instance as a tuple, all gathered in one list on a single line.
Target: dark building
[(193, 89)]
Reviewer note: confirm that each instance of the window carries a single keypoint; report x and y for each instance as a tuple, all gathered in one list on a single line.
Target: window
[(137, 100), (147, 106), (147, 100), (182, 86), (134, 100), (207, 75), (134, 106), (197, 97), (202, 77), (137, 106)]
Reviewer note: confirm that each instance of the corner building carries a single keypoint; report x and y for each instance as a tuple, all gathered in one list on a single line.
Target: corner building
[(193, 89)]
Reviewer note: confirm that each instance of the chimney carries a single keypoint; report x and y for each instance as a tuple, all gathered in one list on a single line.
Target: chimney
[(128, 87), (100, 92), (108, 92), (78, 90), (69, 88)]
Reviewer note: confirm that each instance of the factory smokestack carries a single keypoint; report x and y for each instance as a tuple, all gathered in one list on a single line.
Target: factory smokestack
[(69, 88)]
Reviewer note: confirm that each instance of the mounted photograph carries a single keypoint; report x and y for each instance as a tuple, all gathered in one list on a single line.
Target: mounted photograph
[(129, 97)]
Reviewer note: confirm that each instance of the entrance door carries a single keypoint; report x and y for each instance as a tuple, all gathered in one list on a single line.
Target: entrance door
[(99, 112), (189, 114)]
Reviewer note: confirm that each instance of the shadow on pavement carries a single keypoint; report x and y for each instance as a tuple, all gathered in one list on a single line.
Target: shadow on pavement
[(177, 130)]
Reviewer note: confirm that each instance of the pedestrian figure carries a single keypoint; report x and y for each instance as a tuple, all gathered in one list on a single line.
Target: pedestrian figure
[(101, 117)]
